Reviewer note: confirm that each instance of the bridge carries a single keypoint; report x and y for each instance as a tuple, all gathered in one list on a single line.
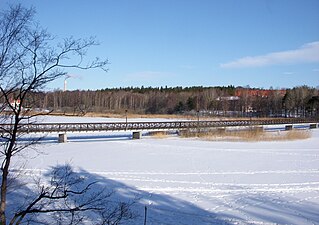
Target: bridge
[(133, 126), (140, 126)]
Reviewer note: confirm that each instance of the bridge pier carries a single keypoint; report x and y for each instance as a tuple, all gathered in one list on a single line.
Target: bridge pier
[(137, 135), (288, 127), (258, 128), (63, 138)]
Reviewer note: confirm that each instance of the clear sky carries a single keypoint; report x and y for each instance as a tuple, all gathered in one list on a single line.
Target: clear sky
[(260, 43)]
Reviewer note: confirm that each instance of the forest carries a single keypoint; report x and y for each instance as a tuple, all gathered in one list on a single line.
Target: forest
[(301, 101)]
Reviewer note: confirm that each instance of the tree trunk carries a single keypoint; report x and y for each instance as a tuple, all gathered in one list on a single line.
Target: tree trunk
[(4, 184), (5, 173)]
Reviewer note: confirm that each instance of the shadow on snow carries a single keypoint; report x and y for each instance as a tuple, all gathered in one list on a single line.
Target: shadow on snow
[(161, 209), (248, 208)]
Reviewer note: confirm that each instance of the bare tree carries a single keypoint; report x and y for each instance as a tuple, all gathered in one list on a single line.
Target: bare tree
[(28, 62)]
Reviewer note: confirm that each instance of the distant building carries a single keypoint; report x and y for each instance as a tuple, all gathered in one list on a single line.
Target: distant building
[(258, 92), (15, 103), (228, 98)]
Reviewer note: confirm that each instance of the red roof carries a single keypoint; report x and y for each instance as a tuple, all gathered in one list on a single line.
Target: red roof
[(258, 92)]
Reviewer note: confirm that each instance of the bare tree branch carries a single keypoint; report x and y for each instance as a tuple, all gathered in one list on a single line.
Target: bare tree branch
[(28, 62)]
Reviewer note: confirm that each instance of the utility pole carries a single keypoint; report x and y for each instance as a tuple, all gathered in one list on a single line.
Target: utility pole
[(125, 119), (197, 107), (198, 123), (145, 215)]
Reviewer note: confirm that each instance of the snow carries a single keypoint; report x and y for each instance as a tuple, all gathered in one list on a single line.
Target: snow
[(192, 181)]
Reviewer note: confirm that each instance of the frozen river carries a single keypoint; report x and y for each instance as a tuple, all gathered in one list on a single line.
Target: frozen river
[(191, 181)]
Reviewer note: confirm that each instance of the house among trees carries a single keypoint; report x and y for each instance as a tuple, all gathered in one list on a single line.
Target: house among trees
[(15, 103), (258, 92)]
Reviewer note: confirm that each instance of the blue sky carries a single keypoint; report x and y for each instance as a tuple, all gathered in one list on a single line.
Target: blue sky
[(260, 43)]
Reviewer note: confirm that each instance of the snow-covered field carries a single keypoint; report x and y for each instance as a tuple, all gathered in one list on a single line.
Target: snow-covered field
[(191, 181)]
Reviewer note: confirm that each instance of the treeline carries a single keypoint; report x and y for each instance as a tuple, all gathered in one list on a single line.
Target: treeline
[(300, 101)]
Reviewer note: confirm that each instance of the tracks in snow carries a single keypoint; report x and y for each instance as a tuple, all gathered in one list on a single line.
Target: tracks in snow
[(188, 182), (212, 173)]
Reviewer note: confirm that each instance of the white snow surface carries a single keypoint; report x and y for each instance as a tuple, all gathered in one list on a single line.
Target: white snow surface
[(192, 181)]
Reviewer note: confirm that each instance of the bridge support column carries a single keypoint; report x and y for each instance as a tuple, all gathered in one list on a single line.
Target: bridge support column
[(137, 135), (258, 129), (63, 138), (288, 127)]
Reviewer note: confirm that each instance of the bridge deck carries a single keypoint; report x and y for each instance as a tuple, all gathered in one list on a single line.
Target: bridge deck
[(131, 126)]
